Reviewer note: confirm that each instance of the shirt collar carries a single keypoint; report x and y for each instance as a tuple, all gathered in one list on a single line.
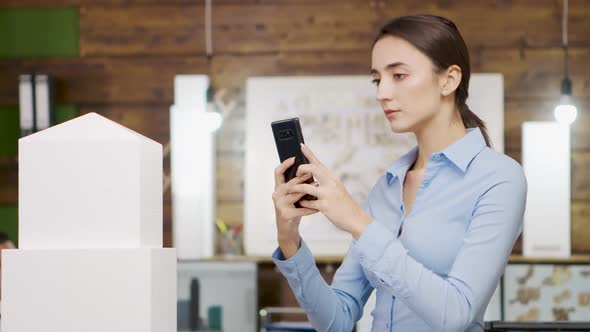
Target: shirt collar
[(460, 153), (402, 164)]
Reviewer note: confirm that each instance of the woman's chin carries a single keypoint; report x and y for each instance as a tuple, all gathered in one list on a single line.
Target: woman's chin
[(399, 127)]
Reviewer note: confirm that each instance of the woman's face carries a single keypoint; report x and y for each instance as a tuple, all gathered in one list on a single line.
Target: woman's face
[(408, 89)]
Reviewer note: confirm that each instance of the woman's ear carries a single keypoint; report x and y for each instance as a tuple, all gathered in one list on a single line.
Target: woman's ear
[(450, 80)]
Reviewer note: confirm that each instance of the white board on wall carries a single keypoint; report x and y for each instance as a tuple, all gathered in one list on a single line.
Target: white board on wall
[(486, 100), (344, 125)]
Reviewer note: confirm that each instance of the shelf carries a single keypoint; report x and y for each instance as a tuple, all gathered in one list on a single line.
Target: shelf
[(574, 259)]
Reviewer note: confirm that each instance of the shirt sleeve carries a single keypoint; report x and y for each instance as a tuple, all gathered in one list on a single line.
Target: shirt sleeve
[(329, 308), (452, 303)]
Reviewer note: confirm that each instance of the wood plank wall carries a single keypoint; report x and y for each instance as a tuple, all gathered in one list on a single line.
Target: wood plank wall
[(131, 49)]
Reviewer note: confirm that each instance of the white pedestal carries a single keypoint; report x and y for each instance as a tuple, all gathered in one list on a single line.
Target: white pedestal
[(192, 164), (546, 162), (93, 290), (89, 183)]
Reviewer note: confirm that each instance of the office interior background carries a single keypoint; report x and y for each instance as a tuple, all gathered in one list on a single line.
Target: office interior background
[(120, 58)]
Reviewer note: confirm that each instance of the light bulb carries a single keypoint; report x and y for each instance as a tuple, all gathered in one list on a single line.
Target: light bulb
[(566, 111), (213, 121)]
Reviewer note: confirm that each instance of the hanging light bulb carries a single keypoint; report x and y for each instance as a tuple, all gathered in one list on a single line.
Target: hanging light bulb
[(212, 119), (566, 111)]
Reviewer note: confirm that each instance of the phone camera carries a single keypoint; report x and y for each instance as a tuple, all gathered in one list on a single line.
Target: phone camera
[(285, 134)]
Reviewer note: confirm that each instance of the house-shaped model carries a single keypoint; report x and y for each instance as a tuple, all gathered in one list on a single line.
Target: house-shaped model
[(90, 234)]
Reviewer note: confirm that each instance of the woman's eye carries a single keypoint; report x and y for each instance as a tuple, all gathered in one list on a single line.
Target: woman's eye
[(399, 76), (376, 82)]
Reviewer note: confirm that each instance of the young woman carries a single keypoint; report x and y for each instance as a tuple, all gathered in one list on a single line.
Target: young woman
[(435, 233)]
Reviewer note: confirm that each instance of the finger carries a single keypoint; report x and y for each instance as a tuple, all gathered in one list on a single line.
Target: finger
[(309, 154), (313, 205), (285, 188), (299, 179), (290, 199), (298, 212), (306, 211), (305, 188), (318, 170), (308, 168), (321, 171), (280, 170)]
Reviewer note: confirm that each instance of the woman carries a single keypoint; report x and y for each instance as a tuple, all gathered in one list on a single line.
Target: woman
[(435, 233)]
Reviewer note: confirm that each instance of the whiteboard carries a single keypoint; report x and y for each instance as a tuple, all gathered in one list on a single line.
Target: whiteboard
[(344, 125)]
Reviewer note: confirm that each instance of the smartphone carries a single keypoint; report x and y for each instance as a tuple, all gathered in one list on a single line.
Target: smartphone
[(288, 139)]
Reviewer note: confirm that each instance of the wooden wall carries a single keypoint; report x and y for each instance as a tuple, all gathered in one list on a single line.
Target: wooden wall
[(130, 51)]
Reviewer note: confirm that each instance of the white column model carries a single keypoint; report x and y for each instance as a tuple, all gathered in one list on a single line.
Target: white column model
[(90, 234), (546, 158), (192, 164)]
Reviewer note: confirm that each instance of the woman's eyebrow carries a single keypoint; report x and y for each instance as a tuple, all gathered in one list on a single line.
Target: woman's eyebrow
[(388, 67)]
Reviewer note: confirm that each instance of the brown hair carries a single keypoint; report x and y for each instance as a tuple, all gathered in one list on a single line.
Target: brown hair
[(439, 39)]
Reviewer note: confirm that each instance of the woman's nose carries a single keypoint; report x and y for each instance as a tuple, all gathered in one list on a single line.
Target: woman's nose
[(384, 91)]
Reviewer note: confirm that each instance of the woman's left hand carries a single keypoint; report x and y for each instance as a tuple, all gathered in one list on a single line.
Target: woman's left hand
[(333, 200)]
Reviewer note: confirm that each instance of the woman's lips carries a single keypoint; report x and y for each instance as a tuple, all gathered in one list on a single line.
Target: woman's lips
[(391, 113)]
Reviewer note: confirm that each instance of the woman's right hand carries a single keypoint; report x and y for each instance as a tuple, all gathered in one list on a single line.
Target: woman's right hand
[(287, 215)]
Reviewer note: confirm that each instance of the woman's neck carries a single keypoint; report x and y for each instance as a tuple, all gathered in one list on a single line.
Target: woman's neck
[(438, 134)]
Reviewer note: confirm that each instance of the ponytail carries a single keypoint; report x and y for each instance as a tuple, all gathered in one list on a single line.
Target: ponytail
[(471, 120)]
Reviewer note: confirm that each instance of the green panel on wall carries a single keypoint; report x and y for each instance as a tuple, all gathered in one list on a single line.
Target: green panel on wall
[(10, 128), (9, 221), (65, 112), (39, 32)]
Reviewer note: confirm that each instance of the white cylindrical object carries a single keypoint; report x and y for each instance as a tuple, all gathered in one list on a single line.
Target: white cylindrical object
[(546, 162), (192, 158)]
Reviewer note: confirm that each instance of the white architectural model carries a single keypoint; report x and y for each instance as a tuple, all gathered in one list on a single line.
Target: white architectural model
[(90, 234), (192, 164), (546, 158)]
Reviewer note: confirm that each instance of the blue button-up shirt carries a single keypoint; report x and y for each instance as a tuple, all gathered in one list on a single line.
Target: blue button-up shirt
[(440, 274)]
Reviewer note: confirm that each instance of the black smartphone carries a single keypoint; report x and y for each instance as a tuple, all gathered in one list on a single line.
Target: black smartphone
[(288, 139)]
